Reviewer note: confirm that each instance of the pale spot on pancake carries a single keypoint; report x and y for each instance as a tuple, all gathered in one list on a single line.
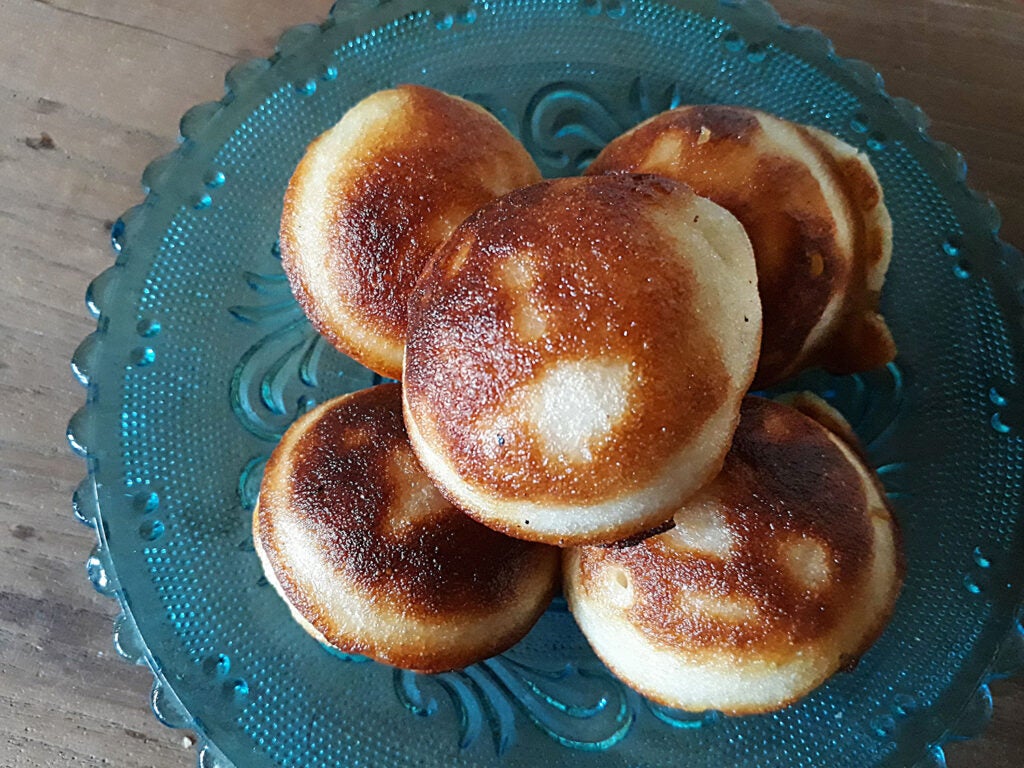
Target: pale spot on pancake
[(415, 501), (517, 277), (302, 556), (444, 223), (817, 264), (497, 186), (355, 437), (776, 424), (665, 153), (734, 609), (529, 321), (496, 176), (807, 561), (574, 405), (705, 135), (879, 513), (498, 181), (458, 261), (701, 529), (618, 587)]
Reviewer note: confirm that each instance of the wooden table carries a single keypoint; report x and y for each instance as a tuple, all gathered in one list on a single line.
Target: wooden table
[(90, 91)]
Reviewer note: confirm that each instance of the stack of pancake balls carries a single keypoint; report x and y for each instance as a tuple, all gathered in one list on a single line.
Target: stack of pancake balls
[(574, 357)]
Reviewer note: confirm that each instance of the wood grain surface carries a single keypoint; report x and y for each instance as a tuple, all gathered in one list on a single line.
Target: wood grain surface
[(90, 91)]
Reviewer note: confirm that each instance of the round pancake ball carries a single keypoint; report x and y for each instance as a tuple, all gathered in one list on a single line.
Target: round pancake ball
[(815, 213), (372, 560), (779, 573), (577, 355), (371, 200)]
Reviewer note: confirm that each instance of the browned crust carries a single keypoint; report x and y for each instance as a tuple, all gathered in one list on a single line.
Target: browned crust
[(783, 478), (814, 407), (610, 286), (724, 155), (440, 159), (337, 480)]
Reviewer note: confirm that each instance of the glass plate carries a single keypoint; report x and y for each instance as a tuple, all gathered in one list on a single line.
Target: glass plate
[(201, 359)]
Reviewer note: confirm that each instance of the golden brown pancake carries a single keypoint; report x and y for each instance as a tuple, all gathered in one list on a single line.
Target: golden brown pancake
[(814, 211), (372, 560), (371, 200), (780, 572), (577, 355)]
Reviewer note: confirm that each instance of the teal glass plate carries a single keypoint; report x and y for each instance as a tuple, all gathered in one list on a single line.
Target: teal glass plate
[(201, 359)]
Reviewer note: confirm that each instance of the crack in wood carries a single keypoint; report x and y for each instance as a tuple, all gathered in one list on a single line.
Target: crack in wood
[(125, 25)]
